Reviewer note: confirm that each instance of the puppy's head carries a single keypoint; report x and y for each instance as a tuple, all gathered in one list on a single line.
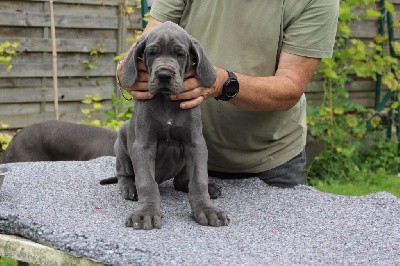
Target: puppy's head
[(168, 52)]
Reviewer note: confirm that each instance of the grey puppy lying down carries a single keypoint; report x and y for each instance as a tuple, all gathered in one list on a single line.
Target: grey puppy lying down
[(162, 141), (60, 141)]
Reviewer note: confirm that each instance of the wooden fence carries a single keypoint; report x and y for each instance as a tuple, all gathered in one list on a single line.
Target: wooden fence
[(26, 92)]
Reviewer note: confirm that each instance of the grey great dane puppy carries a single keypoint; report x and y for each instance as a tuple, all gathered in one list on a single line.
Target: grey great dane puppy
[(60, 141), (162, 141)]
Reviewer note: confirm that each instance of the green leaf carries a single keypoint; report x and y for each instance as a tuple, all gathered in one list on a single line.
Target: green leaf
[(87, 101), (351, 120), (396, 47), (97, 98), (346, 13), (338, 110), (6, 44), (5, 60), (344, 29), (85, 111), (96, 122), (330, 73), (376, 121), (390, 7), (372, 13), (97, 106)]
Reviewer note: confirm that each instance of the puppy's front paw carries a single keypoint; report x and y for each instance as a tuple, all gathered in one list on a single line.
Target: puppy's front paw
[(211, 216), (127, 188), (146, 218)]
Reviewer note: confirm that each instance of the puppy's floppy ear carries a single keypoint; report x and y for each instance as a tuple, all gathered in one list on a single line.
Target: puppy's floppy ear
[(204, 69), (129, 73)]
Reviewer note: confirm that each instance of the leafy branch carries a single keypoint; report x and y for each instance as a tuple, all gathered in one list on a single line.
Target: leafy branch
[(337, 122), (7, 52)]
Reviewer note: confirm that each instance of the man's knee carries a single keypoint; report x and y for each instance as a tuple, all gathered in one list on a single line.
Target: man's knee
[(289, 174)]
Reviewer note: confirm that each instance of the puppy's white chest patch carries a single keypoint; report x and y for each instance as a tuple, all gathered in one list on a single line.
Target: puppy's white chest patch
[(170, 122)]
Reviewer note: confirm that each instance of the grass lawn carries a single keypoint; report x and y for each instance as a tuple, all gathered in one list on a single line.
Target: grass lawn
[(389, 184), (11, 262), (8, 262)]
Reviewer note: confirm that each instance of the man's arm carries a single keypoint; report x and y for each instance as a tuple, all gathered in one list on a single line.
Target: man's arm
[(274, 93), (279, 92)]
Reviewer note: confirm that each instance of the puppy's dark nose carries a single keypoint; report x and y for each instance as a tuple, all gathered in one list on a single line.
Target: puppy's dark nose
[(164, 75)]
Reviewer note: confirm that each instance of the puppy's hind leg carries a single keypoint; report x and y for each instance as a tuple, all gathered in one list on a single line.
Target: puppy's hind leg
[(126, 177), (181, 183)]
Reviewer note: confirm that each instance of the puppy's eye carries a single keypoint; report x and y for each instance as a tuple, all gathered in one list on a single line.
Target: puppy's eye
[(181, 53), (152, 51)]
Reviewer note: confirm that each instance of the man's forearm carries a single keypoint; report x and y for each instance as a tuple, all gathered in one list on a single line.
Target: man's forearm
[(279, 92), (275, 93)]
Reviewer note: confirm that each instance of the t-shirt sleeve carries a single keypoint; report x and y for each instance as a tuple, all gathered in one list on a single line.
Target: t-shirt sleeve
[(312, 32), (168, 10)]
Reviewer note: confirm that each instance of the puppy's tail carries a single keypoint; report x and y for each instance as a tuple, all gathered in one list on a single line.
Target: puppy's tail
[(108, 181)]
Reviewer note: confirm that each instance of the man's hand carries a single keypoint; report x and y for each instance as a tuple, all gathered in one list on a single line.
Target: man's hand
[(139, 90), (194, 93)]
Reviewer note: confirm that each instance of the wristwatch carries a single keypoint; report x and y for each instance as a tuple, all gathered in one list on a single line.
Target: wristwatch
[(230, 88)]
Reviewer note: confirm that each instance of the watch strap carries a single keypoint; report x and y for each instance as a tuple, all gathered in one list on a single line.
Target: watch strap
[(224, 96)]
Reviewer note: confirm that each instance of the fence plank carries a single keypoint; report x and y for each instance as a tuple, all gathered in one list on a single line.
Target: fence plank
[(70, 69), (61, 21), (64, 45), (86, 2), (357, 85), (90, 2), (66, 94), (16, 7), (33, 113)]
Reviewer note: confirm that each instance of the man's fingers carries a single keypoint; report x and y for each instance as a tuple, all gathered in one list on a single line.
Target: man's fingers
[(141, 95), (191, 73), (192, 103), (187, 95), (190, 84), (141, 66), (140, 91), (142, 76)]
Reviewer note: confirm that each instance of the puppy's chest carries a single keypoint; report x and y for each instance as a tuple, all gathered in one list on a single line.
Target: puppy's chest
[(170, 122), (173, 129)]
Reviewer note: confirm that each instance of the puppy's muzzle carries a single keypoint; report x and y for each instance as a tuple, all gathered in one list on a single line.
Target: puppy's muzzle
[(164, 76), (165, 80)]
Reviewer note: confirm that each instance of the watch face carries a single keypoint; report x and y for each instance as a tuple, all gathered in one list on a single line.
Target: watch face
[(232, 89)]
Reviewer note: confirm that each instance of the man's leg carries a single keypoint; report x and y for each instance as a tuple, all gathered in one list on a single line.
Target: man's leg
[(289, 174)]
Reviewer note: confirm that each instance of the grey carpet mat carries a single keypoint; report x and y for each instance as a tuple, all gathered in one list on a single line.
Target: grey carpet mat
[(62, 205)]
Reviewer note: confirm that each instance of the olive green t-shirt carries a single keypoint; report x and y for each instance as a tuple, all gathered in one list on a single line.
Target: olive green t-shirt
[(247, 36)]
